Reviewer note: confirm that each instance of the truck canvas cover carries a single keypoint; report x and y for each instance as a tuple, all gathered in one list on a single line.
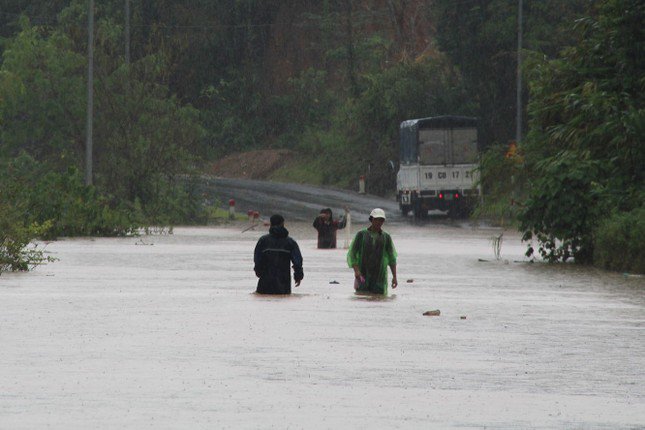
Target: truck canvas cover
[(423, 139)]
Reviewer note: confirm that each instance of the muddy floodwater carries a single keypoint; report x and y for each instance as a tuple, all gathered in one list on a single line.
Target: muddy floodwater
[(164, 332)]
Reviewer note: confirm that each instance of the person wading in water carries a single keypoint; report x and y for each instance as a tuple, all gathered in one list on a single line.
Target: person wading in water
[(370, 254), (327, 228), (273, 255)]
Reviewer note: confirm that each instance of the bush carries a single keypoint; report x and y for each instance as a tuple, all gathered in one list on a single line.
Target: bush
[(36, 195), (564, 206), (619, 242), (16, 253), (501, 182)]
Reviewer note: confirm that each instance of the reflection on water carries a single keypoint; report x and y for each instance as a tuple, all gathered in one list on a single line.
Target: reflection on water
[(281, 296), (372, 297), (362, 296)]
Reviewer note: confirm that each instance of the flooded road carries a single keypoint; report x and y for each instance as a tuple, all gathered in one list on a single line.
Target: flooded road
[(164, 332), (297, 202)]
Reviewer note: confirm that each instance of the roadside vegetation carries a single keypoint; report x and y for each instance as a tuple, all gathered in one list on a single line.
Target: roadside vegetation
[(331, 81), (584, 154)]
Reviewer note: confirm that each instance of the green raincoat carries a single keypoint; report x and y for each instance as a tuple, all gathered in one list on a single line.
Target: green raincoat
[(372, 252)]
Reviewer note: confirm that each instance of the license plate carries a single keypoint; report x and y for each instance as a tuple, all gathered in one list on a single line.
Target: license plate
[(448, 196)]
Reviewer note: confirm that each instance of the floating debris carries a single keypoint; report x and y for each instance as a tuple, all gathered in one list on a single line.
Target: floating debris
[(463, 317), (409, 281), (434, 313)]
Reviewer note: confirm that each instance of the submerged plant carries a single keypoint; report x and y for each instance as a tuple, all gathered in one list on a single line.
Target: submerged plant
[(18, 252)]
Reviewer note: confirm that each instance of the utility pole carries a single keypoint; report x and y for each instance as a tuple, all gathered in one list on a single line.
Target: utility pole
[(90, 93), (127, 33), (518, 116), (350, 48)]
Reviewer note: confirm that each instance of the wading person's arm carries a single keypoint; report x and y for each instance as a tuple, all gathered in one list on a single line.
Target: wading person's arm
[(357, 271), (354, 255), (296, 259), (257, 258), (343, 220), (391, 259)]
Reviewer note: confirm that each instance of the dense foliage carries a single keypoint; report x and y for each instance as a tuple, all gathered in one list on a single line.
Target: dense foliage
[(17, 252), (481, 40), (584, 153), (619, 242), (315, 76), (330, 79), (365, 130)]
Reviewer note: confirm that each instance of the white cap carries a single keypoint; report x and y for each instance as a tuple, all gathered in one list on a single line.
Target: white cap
[(377, 213)]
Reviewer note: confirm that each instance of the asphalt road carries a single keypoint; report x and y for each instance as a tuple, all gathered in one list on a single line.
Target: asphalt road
[(294, 201)]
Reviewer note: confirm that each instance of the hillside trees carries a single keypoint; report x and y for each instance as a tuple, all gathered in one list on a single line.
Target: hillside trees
[(429, 87), (480, 38), (43, 98), (331, 79), (143, 138)]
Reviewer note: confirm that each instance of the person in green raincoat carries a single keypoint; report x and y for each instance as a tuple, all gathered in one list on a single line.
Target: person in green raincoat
[(370, 254)]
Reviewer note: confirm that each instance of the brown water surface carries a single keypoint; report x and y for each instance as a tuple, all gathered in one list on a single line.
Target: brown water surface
[(166, 332)]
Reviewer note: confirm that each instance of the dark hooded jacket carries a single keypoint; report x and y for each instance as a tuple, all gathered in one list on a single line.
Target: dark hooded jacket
[(273, 255)]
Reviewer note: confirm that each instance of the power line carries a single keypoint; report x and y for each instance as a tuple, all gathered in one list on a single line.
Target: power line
[(54, 20), (48, 19)]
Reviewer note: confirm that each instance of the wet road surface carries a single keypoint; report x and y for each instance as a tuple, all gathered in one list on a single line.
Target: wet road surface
[(296, 202), (164, 332)]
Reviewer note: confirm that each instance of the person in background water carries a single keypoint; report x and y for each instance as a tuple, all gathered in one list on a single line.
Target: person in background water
[(327, 227), (273, 255), (370, 254)]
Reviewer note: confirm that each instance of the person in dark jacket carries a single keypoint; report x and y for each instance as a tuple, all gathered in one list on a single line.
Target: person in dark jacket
[(273, 255), (327, 227)]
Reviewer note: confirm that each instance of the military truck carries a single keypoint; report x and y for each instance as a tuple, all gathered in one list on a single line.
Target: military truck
[(438, 170)]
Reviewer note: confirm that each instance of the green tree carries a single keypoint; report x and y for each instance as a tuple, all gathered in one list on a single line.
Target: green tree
[(365, 129), (584, 152), (34, 194), (42, 97), (144, 137), (480, 37)]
